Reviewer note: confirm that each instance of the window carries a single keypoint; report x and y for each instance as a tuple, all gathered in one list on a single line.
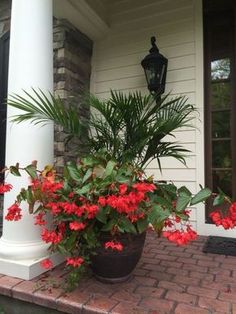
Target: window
[(220, 100)]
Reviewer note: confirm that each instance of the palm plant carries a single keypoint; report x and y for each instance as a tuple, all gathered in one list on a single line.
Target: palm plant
[(130, 127)]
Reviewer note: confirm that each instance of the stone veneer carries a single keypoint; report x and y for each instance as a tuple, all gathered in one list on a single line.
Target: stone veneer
[(72, 69)]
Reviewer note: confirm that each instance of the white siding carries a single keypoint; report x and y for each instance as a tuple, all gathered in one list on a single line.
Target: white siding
[(116, 64)]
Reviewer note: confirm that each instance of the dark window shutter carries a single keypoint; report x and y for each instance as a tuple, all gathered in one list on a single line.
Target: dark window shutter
[(4, 57)]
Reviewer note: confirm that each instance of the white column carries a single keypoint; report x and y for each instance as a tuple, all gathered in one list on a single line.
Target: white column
[(30, 65)]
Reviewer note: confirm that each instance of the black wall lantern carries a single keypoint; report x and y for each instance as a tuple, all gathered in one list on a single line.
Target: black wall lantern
[(155, 67)]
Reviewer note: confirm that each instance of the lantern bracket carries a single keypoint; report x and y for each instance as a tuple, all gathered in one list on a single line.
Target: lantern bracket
[(154, 48)]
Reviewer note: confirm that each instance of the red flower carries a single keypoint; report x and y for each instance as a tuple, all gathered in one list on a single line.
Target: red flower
[(52, 187), (51, 236), (74, 261), (14, 213), (102, 201), (123, 188), (91, 210), (55, 207), (168, 223), (46, 263), (75, 225), (180, 237), (5, 188), (144, 187), (39, 219), (114, 245)]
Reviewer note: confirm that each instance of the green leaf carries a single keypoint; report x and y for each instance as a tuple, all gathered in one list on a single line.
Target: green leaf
[(154, 213), (74, 172), (87, 175), (15, 171), (85, 189), (142, 225), (163, 201), (201, 196), (109, 168), (184, 190), (219, 200), (32, 171), (182, 202), (111, 223), (127, 225), (102, 215), (62, 250), (71, 241)]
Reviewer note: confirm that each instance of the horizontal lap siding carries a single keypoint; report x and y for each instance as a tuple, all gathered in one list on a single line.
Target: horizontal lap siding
[(117, 57)]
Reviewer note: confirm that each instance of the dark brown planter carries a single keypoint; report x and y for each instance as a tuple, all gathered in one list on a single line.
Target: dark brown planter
[(111, 266)]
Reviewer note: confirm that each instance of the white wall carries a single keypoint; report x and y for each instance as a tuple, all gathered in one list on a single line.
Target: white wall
[(116, 65)]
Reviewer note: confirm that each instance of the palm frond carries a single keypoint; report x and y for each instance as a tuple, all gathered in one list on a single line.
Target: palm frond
[(39, 108)]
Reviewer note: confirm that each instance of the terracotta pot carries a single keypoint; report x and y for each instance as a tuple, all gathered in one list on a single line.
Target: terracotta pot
[(112, 266)]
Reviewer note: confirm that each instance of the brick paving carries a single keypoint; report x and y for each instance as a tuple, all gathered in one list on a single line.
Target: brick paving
[(167, 280)]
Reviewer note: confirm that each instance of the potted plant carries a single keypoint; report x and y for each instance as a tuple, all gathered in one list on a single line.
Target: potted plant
[(100, 211), (102, 205)]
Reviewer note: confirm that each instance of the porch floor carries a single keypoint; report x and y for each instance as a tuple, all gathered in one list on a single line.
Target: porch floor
[(168, 279)]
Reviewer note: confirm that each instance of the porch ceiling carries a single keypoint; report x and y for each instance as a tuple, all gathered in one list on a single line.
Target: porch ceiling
[(89, 16)]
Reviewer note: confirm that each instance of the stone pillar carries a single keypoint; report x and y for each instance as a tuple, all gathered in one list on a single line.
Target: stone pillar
[(30, 65)]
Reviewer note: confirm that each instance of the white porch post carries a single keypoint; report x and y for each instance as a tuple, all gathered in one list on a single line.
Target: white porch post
[(30, 65)]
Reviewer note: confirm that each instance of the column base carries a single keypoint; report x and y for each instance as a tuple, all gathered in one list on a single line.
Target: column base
[(27, 269)]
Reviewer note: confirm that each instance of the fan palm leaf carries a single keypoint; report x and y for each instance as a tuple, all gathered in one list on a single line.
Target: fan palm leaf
[(130, 126)]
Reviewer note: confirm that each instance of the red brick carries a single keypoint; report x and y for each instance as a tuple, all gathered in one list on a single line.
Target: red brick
[(181, 297), (228, 266), (145, 281), (203, 257), (161, 306), (7, 283), (147, 260), (220, 286), (201, 269), (128, 307), (234, 308), (140, 272), (181, 254), (148, 255), (158, 251), (164, 257), (214, 305), (171, 286), (121, 295), (171, 264), (203, 292), (186, 260), (187, 309), (208, 263), (24, 291), (186, 280), (47, 297), (149, 292), (160, 275), (230, 260), (97, 287), (174, 271), (99, 304), (177, 249), (219, 258), (225, 279), (220, 271), (154, 267), (72, 302), (198, 275), (227, 296)]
